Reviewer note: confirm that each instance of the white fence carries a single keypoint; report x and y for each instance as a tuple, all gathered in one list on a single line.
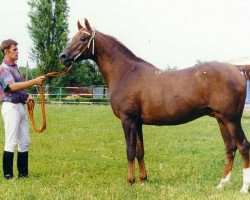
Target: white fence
[(74, 95)]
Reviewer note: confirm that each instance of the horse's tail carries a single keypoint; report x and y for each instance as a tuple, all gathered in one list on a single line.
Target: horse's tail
[(245, 69)]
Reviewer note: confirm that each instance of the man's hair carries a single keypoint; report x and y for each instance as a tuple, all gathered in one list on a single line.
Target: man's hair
[(6, 44)]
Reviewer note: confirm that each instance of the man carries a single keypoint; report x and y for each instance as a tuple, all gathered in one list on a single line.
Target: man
[(14, 95)]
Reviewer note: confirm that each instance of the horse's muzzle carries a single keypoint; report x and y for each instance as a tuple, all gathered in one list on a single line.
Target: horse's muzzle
[(65, 59)]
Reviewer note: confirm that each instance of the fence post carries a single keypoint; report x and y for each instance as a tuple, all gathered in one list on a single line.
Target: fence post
[(60, 94)]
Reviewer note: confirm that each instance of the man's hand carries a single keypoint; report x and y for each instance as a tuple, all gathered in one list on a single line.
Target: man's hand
[(29, 98), (30, 102), (39, 80)]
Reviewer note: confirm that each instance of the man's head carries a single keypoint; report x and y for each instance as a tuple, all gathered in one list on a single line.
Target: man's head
[(9, 49)]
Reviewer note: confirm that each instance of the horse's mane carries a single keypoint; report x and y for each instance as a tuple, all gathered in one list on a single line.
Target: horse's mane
[(116, 45)]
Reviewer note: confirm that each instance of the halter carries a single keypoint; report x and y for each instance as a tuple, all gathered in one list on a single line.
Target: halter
[(92, 38)]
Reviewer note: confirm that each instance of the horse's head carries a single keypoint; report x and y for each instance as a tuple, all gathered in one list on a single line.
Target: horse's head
[(81, 46)]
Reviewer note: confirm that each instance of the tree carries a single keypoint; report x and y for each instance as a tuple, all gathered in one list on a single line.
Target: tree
[(48, 29), (85, 73), (169, 68), (198, 62), (28, 74), (1, 57)]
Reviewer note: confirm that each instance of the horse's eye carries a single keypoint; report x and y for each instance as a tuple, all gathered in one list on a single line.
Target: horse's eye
[(83, 39)]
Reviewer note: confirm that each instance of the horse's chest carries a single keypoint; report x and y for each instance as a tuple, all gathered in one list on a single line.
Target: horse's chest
[(125, 106)]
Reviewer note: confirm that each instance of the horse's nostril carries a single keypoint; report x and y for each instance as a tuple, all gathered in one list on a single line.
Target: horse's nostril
[(63, 57)]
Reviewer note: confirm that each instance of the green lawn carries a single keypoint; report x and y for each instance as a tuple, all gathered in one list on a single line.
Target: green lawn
[(82, 155)]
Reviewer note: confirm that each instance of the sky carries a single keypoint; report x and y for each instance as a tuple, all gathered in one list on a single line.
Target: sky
[(173, 33)]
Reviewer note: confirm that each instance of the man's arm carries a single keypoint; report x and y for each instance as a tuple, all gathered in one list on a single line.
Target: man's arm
[(25, 85)]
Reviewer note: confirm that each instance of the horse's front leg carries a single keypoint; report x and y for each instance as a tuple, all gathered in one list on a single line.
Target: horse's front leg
[(140, 153), (129, 127)]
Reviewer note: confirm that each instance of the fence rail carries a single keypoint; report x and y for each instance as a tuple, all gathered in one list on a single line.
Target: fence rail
[(74, 95)]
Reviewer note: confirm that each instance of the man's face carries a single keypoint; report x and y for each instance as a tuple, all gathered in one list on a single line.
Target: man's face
[(12, 53)]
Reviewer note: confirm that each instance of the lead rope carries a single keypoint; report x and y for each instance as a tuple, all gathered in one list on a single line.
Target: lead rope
[(31, 103)]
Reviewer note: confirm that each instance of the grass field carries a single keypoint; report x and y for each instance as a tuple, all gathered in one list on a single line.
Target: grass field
[(81, 155)]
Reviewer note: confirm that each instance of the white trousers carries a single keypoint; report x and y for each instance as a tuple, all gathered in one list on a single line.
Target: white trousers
[(16, 127)]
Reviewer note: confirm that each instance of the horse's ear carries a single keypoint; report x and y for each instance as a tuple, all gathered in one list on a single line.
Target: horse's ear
[(79, 25), (87, 24)]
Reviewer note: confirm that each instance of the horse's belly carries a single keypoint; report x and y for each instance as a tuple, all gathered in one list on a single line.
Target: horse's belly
[(166, 118)]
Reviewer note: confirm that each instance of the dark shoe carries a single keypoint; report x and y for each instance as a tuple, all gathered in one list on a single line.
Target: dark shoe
[(8, 165), (8, 177), (22, 164), (23, 176)]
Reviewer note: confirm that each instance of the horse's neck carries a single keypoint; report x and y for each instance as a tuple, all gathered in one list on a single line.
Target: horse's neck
[(113, 59)]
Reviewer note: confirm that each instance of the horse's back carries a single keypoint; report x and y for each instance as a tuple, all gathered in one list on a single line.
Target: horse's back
[(183, 95)]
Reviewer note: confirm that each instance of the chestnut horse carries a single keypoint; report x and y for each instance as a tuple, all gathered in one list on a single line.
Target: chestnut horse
[(140, 94)]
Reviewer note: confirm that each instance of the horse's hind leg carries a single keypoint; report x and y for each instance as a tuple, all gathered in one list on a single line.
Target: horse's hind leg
[(231, 148), (237, 133), (140, 153)]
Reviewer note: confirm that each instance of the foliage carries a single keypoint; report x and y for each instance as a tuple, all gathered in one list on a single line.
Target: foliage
[(82, 155), (169, 68), (28, 74), (85, 73), (1, 57), (23, 71), (48, 29), (198, 62)]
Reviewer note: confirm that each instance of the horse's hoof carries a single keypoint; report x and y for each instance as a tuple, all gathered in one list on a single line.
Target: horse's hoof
[(131, 181), (143, 180), (142, 183), (220, 186), (244, 191), (245, 188)]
